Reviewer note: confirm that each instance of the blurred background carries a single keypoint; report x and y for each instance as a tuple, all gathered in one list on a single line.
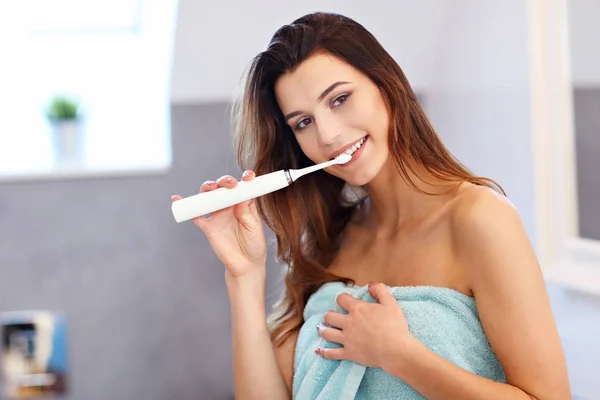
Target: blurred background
[(107, 108)]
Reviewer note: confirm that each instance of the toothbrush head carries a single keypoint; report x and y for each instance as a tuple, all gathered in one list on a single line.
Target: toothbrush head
[(297, 173), (343, 158)]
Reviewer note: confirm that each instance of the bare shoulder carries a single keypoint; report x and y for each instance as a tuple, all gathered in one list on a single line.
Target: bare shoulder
[(476, 202), (506, 280), (284, 353), (481, 216), (488, 237)]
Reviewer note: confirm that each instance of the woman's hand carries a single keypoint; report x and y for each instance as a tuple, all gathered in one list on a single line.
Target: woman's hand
[(372, 334), (235, 233)]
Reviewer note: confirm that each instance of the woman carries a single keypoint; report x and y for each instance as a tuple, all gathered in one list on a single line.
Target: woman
[(426, 279)]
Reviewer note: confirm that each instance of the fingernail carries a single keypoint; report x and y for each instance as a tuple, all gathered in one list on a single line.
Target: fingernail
[(320, 327), (229, 180)]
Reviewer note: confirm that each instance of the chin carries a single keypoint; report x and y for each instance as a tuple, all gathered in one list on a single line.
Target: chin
[(363, 176)]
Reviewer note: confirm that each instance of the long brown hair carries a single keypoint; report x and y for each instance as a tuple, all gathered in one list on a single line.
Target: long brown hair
[(309, 216)]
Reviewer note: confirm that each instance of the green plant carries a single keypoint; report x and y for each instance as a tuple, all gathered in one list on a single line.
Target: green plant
[(63, 108)]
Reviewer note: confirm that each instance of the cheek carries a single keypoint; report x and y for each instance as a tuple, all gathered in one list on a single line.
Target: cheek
[(373, 116), (379, 132), (308, 146)]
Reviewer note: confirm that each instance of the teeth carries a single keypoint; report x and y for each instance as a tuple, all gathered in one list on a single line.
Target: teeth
[(352, 149), (355, 147)]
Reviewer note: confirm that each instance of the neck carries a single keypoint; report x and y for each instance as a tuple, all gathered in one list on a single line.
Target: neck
[(395, 203)]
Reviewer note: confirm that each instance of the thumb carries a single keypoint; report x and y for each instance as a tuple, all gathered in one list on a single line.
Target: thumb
[(381, 293), (246, 212)]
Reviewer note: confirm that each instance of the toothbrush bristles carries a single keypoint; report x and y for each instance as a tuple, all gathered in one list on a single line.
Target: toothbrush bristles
[(343, 158)]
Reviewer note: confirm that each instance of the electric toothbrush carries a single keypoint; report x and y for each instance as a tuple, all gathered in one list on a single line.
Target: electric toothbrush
[(207, 202)]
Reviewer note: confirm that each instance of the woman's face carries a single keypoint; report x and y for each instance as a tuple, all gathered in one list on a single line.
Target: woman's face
[(333, 108)]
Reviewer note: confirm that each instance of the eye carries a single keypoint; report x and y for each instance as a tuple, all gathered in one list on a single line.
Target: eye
[(340, 100), (302, 123)]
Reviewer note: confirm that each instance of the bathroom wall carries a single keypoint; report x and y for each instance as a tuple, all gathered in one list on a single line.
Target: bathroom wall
[(144, 297)]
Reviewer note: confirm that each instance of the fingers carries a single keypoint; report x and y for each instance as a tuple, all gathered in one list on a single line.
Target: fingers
[(346, 301), (227, 181), (248, 175), (381, 293), (207, 186), (332, 354), (330, 334), (246, 212), (334, 319)]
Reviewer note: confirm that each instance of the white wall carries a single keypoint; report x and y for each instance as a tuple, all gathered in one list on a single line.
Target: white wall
[(215, 43), (480, 95), (584, 31)]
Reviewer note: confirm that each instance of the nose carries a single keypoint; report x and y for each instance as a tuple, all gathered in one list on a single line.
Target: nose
[(328, 130)]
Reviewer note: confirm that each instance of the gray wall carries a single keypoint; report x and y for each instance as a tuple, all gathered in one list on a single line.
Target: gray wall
[(587, 142), (144, 297)]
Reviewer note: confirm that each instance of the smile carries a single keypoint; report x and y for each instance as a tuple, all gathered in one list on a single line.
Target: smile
[(350, 149)]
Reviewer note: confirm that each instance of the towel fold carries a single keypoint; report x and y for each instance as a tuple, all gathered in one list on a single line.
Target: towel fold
[(444, 320)]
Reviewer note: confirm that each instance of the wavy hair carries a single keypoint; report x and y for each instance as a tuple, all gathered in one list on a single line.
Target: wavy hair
[(309, 216)]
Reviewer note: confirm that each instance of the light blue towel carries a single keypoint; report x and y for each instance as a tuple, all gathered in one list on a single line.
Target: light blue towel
[(444, 320)]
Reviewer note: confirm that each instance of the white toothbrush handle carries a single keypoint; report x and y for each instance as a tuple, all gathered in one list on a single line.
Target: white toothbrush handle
[(218, 199)]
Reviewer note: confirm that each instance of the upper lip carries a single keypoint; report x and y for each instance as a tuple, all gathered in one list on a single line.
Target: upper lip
[(343, 149)]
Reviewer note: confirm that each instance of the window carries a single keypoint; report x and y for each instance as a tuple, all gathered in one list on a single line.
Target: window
[(70, 16), (113, 57)]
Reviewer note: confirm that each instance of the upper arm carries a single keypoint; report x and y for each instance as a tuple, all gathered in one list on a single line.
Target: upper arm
[(284, 353), (511, 295)]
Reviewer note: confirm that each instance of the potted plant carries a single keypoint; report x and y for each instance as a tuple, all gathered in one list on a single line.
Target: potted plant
[(64, 115)]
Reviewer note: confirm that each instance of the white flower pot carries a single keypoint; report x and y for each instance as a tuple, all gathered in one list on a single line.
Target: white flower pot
[(67, 141)]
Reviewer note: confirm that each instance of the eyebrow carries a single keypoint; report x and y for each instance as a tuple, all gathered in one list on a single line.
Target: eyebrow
[(319, 99)]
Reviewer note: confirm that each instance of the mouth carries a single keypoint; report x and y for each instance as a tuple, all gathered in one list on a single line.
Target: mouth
[(350, 148)]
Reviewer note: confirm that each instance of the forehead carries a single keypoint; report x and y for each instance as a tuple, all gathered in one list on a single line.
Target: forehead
[(310, 78)]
